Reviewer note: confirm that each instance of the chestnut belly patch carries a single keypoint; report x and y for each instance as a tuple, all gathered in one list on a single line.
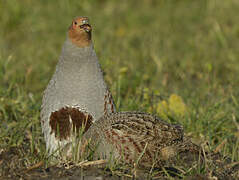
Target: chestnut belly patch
[(69, 120)]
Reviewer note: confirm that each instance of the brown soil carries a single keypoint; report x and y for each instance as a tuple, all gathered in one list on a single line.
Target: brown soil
[(12, 166)]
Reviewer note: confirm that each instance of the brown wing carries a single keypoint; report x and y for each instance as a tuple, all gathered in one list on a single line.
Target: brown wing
[(134, 134)]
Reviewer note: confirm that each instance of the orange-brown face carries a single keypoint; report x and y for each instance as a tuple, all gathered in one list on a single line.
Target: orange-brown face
[(80, 32)]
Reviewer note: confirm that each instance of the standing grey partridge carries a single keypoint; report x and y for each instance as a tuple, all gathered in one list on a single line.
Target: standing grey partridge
[(135, 137), (76, 94)]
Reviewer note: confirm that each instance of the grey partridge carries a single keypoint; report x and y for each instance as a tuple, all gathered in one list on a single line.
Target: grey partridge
[(135, 137), (77, 94)]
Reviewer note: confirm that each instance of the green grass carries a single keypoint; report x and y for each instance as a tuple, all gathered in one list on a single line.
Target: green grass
[(189, 48)]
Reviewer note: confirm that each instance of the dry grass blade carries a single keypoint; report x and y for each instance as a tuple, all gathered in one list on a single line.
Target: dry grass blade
[(142, 153), (92, 163), (35, 166), (232, 164), (220, 146), (235, 122), (204, 154)]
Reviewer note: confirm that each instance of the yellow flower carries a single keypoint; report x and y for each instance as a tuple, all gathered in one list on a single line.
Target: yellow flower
[(162, 109), (120, 32), (176, 105), (123, 70), (146, 93)]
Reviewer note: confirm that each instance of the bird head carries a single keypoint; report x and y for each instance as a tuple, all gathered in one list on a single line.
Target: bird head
[(80, 32)]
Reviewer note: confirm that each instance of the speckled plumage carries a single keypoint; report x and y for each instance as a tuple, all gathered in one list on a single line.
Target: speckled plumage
[(127, 135), (77, 84)]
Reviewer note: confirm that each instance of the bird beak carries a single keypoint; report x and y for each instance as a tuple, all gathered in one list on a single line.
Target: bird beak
[(86, 27)]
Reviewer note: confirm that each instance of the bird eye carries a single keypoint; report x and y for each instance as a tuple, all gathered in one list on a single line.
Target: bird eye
[(75, 23)]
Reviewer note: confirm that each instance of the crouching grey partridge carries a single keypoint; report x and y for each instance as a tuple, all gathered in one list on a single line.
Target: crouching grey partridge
[(76, 94), (135, 137)]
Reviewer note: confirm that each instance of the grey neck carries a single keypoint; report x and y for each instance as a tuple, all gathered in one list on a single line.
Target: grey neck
[(74, 58), (76, 61), (72, 50)]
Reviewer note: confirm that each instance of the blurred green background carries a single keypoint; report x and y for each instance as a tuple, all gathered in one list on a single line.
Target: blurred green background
[(177, 59)]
